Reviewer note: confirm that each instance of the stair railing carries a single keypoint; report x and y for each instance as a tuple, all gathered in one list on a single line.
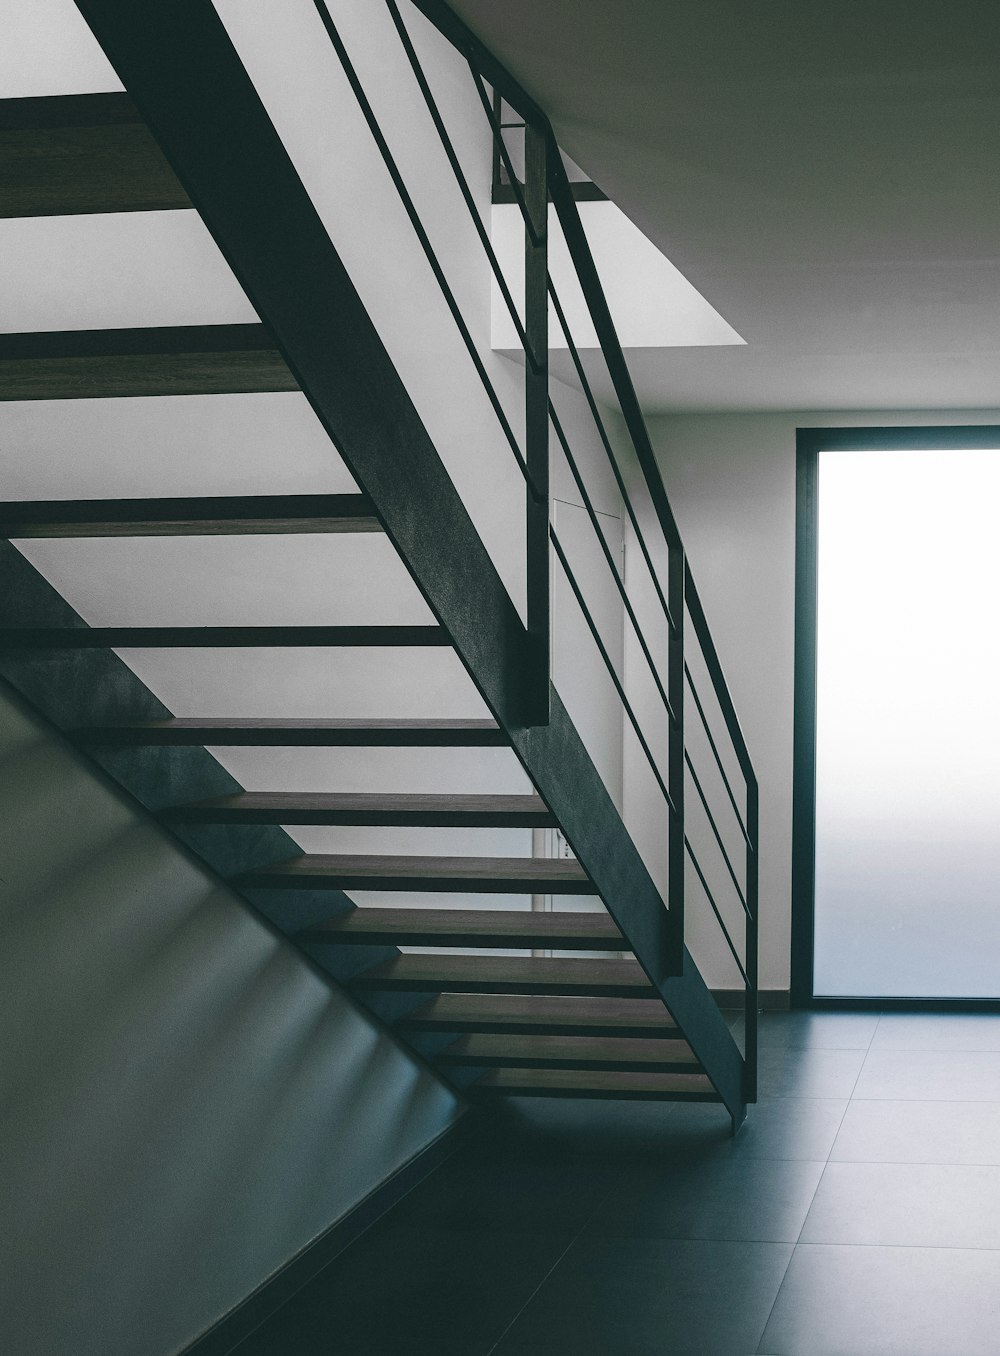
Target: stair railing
[(211, 125)]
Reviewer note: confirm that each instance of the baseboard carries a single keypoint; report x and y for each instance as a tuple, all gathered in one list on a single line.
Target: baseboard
[(768, 1000), (225, 1336)]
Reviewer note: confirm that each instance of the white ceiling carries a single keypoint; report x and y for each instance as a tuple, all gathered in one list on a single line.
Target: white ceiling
[(827, 176)]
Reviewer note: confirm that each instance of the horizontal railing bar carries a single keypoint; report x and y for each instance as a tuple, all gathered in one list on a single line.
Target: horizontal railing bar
[(718, 837), (421, 234), (592, 514), (463, 183), (715, 909), (718, 760), (611, 670), (714, 666), (613, 460), (505, 156)]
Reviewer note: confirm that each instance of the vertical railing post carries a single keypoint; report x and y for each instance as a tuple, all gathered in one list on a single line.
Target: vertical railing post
[(676, 573), (750, 1013), (536, 421)]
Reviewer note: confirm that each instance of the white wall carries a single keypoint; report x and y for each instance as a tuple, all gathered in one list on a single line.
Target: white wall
[(185, 1103), (731, 480)]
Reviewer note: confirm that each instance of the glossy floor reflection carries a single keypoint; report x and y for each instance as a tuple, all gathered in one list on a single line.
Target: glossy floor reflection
[(854, 1215)]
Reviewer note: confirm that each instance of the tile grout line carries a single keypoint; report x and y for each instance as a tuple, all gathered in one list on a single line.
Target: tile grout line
[(826, 1164)]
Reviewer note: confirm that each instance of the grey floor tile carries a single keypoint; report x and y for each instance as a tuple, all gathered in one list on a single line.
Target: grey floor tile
[(746, 1200), (414, 1291), (938, 1031), (526, 1194), (930, 1076), (923, 1205), (651, 1297), (780, 1127), (919, 1132), (886, 1302), (808, 1072), (822, 1030)]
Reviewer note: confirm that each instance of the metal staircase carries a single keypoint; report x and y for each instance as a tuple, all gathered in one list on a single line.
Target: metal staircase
[(640, 1024)]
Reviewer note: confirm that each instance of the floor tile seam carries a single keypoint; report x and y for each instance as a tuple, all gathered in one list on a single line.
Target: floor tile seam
[(777, 1292), (574, 1239), (912, 1163), (943, 1101), (558, 1261)]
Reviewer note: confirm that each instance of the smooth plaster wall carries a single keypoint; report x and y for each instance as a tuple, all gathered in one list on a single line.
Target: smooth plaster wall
[(731, 480), (185, 1103)]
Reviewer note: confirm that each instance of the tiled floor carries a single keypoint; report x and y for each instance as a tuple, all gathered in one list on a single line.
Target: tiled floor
[(856, 1214)]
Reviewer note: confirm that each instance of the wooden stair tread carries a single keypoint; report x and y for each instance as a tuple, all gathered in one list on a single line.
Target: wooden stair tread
[(216, 515), (471, 927), (585, 1053), (267, 732), (81, 153), (153, 360), (217, 637), (543, 1014), (326, 807), (508, 974), (598, 1083), (519, 875)]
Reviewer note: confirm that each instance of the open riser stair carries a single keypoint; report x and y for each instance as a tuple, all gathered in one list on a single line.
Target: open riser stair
[(476, 991)]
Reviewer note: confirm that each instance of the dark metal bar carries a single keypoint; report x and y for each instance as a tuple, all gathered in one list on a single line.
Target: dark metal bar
[(602, 648), (715, 909), (751, 1002), (626, 600), (463, 183), (612, 459), (677, 753), (714, 666), (536, 423), (418, 227), (718, 759), (501, 148), (208, 637), (715, 830)]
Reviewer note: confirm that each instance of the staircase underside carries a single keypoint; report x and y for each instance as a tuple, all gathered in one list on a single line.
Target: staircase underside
[(529, 1024)]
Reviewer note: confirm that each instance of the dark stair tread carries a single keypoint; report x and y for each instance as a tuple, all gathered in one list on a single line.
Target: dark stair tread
[(543, 1014), (216, 637), (153, 360), (333, 807), (573, 1083), (519, 875), (516, 928), (216, 515), (587, 1053), (81, 153), (507, 974), (304, 733)]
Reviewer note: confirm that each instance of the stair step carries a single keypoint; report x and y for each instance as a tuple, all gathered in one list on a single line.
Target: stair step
[(466, 875), (588, 1053), (663, 1087), (80, 153), (544, 1014), (267, 733), (326, 807), (172, 360), (508, 974), (515, 928), (220, 515), (215, 637)]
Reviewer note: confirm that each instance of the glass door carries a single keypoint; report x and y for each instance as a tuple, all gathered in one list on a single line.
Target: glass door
[(907, 723)]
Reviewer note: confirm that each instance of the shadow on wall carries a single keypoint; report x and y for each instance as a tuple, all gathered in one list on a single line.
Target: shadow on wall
[(185, 1104)]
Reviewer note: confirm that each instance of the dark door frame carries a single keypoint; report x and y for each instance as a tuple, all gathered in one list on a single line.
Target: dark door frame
[(809, 442)]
